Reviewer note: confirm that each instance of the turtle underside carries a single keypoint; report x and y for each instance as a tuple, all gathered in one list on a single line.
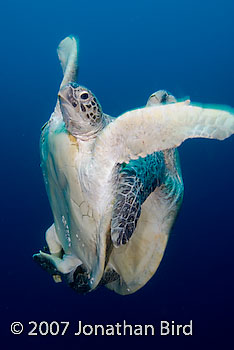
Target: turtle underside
[(114, 184)]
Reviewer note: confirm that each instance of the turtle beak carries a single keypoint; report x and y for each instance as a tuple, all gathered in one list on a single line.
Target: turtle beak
[(65, 92), (64, 103), (66, 96), (65, 106), (62, 96)]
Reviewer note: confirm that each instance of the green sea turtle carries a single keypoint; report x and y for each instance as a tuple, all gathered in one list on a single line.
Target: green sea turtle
[(114, 184)]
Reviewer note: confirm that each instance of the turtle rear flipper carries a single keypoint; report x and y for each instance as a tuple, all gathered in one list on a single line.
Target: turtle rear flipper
[(80, 278), (47, 266), (56, 266)]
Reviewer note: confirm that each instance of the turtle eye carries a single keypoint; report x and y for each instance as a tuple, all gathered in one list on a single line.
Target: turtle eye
[(84, 95)]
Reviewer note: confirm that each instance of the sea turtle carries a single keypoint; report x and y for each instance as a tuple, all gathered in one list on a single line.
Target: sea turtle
[(114, 184)]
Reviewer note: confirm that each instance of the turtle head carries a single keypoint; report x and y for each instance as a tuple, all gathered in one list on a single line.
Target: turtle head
[(160, 97), (81, 111)]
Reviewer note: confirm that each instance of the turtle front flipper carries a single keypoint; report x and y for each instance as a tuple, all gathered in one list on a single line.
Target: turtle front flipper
[(136, 182), (68, 51), (127, 209), (146, 130)]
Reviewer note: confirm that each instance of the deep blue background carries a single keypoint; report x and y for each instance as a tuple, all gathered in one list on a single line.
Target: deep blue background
[(128, 49)]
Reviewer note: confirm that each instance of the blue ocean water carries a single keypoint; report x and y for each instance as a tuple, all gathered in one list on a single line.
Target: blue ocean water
[(128, 49)]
